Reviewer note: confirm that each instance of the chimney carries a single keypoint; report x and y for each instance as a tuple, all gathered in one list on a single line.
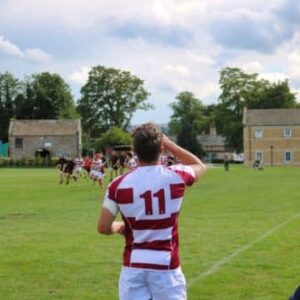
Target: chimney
[(212, 130)]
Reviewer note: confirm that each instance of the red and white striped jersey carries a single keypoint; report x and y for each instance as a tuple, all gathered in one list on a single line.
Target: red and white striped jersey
[(79, 162), (96, 164), (149, 199)]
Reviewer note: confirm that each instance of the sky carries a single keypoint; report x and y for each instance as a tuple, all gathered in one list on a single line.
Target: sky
[(173, 45)]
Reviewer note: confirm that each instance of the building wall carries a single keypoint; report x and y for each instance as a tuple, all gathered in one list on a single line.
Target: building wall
[(56, 145), (214, 152), (273, 145)]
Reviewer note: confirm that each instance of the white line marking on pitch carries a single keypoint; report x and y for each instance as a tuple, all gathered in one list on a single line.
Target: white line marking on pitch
[(216, 266)]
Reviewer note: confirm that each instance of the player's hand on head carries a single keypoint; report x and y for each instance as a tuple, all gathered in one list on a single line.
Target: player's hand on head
[(165, 141)]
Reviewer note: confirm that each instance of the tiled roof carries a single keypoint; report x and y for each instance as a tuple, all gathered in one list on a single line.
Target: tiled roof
[(271, 117), (211, 140), (43, 127)]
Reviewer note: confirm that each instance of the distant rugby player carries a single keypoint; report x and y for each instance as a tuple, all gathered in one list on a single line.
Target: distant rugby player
[(78, 166), (122, 160), (101, 174), (114, 164), (68, 170), (97, 169), (87, 162), (60, 164)]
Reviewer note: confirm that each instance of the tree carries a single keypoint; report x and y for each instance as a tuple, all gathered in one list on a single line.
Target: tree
[(25, 103), (45, 96), (9, 89), (275, 95), (238, 90), (187, 121), (50, 97), (113, 137), (110, 98)]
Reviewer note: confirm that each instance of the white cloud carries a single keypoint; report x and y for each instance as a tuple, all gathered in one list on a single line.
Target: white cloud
[(78, 14), (208, 90), (178, 12), (80, 76), (273, 76), (180, 70), (252, 67), (294, 58), (200, 58), (35, 54), (9, 48), (166, 67), (294, 66)]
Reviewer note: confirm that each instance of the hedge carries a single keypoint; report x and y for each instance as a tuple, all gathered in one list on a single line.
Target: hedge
[(38, 162)]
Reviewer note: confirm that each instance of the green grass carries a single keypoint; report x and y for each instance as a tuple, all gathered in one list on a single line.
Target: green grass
[(239, 237)]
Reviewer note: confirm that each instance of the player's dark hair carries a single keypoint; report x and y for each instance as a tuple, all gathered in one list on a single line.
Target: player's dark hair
[(147, 140)]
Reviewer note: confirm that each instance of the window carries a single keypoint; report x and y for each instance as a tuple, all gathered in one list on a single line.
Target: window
[(259, 156), (19, 143), (288, 156), (287, 132), (258, 133)]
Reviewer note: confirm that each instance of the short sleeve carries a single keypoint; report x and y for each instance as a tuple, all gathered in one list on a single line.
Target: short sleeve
[(186, 173), (111, 205)]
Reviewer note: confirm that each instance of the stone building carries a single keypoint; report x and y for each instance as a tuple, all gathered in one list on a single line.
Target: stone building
[(213, 145), (272, 136), (28, 138)]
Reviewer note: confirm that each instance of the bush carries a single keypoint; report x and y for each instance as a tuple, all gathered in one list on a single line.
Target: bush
[(113, 137), (38, 162), (3, 161)]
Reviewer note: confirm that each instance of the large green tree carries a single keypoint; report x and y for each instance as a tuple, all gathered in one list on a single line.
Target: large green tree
[(275, 95), (46, 96), (9, 89), (187, 121), (110, 98)]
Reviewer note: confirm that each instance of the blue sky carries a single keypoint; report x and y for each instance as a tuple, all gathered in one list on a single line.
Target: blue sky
[(173, 45)]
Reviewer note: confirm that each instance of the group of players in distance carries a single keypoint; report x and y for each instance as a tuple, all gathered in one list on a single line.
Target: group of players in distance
[(94, 167)]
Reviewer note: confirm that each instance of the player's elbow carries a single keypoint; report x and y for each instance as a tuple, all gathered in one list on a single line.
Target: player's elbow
[(103, 228), (204, 168), (199, 170)]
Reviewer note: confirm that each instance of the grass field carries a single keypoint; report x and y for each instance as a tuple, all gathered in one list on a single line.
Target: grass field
[(239, 237)]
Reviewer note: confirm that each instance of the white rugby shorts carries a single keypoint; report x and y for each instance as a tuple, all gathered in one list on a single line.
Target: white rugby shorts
[(99, 175), (141, 284), (78, 169), (93, 173)]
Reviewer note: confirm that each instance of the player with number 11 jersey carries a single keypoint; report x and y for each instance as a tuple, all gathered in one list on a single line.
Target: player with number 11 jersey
[(149, 199)]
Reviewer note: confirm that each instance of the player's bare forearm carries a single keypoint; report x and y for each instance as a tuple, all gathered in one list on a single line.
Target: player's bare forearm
[(186, 157), (115, 227), (108, 225)]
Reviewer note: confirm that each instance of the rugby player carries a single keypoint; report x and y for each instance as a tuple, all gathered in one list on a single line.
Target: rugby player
[(149, 199)]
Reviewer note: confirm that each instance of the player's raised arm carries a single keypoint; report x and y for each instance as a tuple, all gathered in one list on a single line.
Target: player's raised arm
[(185, 157)]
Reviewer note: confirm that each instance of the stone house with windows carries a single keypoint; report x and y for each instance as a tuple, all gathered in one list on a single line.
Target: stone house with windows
[(29, 138), (272, 136), (213, 145)]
